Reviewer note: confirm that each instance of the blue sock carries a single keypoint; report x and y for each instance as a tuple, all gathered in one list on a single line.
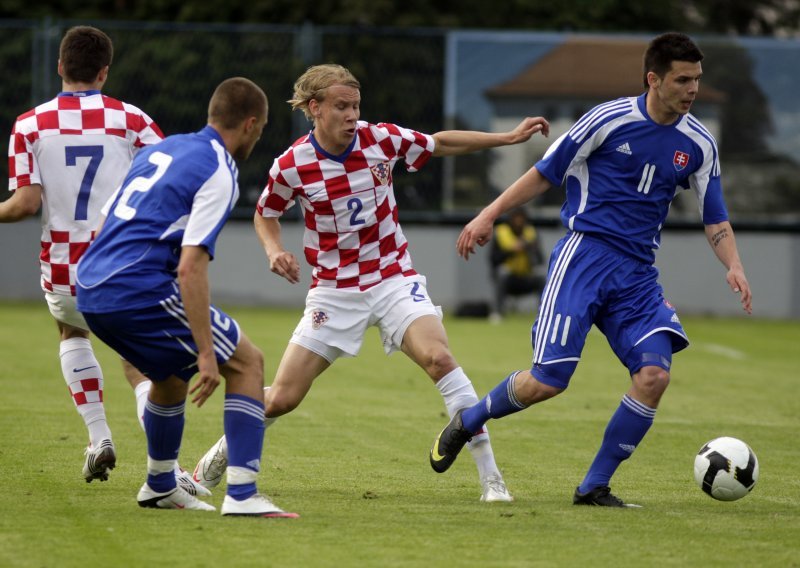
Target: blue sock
[(163, 426), (625, 430), (244, 429), (501, 401)]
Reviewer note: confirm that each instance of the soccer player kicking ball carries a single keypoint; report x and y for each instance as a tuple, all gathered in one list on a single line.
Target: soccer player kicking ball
[(341, 174), (621, 164), (143, 289)]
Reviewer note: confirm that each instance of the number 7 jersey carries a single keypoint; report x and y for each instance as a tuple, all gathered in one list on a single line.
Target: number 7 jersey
[(78, 147), (352, 237)]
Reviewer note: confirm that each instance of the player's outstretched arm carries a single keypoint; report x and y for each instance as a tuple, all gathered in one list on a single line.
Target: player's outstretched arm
[(281, 262), (479, 230), (24, 202), (723, 242), (456, 142)]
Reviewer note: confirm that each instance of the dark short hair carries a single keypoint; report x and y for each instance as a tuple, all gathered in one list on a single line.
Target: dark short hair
[(234, 101), (666, 48), (84, 51)]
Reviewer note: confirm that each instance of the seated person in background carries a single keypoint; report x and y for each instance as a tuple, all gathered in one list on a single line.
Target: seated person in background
[(516, 257)]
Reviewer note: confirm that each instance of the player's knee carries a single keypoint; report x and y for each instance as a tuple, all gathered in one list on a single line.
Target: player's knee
[(651, 380), (531, 390), (250, 357), (438, 362), (279, 403)]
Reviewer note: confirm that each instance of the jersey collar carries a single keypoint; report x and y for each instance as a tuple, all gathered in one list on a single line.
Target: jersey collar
[(79, 93), (341, 157), (641, 102), (211, 132)]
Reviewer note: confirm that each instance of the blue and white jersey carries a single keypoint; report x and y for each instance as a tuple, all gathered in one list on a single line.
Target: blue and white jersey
[(178, 192), (621, 171)]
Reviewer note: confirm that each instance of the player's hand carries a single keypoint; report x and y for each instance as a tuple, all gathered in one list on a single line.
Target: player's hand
[(738, 283), (285, 264), (528, 127), (478, 231), (207, 380)]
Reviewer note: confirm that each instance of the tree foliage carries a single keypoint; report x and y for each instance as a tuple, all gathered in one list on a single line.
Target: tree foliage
[(757, 17)]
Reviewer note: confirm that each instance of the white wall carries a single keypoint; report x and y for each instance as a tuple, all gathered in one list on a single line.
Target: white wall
[(693, 279)]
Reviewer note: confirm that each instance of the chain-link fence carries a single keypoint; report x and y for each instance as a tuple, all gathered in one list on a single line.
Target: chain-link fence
[(170, 71), (434, 79)]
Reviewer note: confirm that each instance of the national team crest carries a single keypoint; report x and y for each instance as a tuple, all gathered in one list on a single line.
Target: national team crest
[(382, 173), (680, 160), (318, 319)]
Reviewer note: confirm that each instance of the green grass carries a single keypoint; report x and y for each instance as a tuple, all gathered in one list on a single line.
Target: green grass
[(352, 460)]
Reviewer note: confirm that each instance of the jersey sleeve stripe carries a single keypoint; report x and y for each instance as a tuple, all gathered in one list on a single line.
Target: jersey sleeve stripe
[(701, 130), (598, 115)]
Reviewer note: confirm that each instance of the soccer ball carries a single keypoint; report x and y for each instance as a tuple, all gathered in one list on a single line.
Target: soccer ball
[(726, 468)]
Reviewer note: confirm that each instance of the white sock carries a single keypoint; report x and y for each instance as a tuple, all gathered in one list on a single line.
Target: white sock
[(458, 392), (141, 391), (84, 379)]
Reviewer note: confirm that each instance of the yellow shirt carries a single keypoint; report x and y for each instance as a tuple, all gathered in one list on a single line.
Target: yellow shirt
[(519, 262)]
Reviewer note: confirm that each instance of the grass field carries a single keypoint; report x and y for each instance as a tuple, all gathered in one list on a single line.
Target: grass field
[(352, 460)]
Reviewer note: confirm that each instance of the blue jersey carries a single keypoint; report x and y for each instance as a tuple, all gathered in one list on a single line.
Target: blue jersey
[(622, 170), (178, 192)]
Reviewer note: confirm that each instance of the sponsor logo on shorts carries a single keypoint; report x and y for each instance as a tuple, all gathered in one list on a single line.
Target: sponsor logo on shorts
[(318, 319)]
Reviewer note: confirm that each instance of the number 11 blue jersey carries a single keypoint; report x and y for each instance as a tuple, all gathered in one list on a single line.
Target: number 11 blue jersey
[(621, 171)]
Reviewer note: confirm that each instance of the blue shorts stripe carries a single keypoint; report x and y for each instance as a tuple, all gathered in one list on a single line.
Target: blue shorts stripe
[(222, 345), (550, 296)]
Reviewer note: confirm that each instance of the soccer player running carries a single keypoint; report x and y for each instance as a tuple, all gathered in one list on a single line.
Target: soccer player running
[(621, 165), (143, 289), (69, 155), (341, 174)]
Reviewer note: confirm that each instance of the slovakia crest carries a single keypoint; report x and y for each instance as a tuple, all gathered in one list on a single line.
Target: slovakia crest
[(318, 319), (382, 173), (680, 160)]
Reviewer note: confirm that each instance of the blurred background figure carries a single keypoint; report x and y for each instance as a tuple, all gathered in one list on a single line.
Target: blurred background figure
[(517, 263)]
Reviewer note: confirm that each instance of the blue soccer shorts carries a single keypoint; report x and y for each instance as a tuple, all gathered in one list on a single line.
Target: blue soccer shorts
[(590, 283), (158, 341)]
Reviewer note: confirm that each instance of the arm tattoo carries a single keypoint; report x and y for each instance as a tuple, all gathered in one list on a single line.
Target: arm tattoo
[(717, 237)]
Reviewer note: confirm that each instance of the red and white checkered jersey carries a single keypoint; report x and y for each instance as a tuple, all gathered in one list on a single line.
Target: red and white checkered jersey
[(352, 236), (78, 147)]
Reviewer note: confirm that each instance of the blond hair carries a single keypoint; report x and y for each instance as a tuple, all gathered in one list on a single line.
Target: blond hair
[(311, 84)]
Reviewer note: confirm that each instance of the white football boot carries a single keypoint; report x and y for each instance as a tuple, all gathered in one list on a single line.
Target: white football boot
[(184, 480), (256, 506), (495, 490), (173, 499), (211, 468), (99, 460)]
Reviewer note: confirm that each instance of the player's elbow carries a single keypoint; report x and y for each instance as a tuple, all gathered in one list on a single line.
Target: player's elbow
[(28, 208)]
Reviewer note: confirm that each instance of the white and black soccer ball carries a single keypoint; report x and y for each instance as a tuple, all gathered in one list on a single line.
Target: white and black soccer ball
[(726, 469)]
